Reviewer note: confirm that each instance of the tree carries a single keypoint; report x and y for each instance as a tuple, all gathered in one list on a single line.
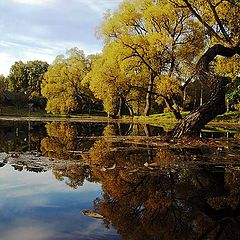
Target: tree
[(220, 20), (35, 71), (112, 80), (63, 84), (2, 87), (155, 34), (27, 77), (17, 78)]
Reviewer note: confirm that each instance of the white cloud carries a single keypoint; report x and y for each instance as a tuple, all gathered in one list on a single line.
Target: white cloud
[(93, 6), (28, 230), (99, 6), (33, 2), (6, 61), (30, 56), (43, 29)]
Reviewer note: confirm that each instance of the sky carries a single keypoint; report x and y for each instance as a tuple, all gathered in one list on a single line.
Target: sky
[(43, 29)]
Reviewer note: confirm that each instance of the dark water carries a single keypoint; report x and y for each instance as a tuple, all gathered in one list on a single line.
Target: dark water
[(50, 172)]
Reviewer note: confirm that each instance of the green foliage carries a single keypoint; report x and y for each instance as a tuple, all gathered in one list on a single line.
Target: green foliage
[(233, 94), (2, 87), (27, 77), (17, 78)]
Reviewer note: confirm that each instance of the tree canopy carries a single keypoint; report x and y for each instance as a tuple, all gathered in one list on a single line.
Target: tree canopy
[(27, 77), (63, 83), (155, 34)]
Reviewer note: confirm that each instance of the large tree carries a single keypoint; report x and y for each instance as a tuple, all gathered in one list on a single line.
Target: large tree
[(220, 20), (63, 86), (156, 34), (27, 77), (117, 82)]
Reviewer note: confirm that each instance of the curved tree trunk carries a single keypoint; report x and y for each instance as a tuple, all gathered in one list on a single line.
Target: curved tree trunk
[(130, 109), (192, 124)]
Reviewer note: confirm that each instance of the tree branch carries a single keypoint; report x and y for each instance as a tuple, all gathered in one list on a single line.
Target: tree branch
[(210, 29), (219, 22)]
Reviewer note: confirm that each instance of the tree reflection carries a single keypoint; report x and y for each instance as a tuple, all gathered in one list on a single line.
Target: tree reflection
[(181, 193), (174, 202), (20, 136), (67, 140), (76, 174), (60, 140)]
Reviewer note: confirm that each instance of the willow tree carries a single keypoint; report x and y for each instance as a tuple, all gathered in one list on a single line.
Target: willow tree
[(111, 80), (220, 20), (63, 84), (155, 32)]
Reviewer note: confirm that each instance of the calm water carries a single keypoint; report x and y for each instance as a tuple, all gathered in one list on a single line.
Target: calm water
[(50, 172)]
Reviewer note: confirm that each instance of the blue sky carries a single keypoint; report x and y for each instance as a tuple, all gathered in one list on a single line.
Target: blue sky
[(43, 29)]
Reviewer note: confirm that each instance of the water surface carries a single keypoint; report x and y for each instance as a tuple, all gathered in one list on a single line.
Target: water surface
[(50, 172)]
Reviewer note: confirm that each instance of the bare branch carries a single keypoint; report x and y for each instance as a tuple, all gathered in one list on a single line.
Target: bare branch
[(210, 29), (219, 22)]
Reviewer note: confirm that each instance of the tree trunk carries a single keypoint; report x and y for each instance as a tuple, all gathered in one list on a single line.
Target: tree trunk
[(130, 109), (175, 112), (124, 107), (192, 124), (149, 95), (120, 106)]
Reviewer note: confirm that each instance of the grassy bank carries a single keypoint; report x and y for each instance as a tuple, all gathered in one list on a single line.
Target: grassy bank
[(229, 117), (22, 112), (155, 119)]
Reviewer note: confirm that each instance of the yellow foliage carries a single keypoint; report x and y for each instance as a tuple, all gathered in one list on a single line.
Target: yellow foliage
[(63, 82), (168, 86)]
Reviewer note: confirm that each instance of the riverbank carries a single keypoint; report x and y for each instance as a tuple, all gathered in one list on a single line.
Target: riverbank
[(24, 114)]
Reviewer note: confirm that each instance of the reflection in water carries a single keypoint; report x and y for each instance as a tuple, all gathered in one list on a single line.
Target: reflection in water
[(148, 192), (20, 136), (172, 202)]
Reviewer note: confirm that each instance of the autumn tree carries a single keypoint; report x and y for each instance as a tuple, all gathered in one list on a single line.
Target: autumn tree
[(220, 21), (112, 80), (156, 34), (63, 86)]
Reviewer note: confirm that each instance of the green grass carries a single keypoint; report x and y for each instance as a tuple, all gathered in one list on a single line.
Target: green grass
[(22, 112), (166, 119), (232, 117)]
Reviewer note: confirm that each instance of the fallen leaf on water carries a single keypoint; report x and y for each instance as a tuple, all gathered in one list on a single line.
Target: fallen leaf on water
[(91, 214), (113, 167), (103, 169)]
